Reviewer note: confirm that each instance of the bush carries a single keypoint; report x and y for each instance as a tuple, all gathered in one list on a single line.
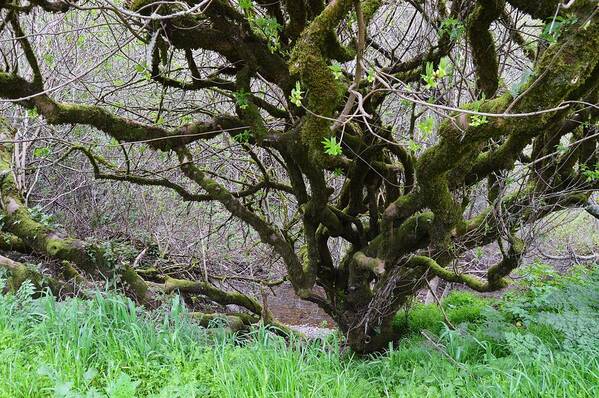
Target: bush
[(459, 306), (419, 317), (462, 306)]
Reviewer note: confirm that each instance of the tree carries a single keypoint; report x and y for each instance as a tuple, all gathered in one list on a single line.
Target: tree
[(375, 124)]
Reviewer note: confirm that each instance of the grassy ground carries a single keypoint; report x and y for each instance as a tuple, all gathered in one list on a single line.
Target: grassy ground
[(539, 342)]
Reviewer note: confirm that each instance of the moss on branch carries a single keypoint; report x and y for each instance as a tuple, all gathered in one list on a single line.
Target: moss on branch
[(213, 293)]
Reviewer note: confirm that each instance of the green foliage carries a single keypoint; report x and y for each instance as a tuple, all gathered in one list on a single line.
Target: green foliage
[(37, 213), (331, 146), (107, 347), (419, 317), (590, 174), (426, 126), (453, 28), (49, 59), (32, 113), (42, 152), (414, 146), (297, 95), (268, 28), (432, 77), (478, 120), (241, 99), (554, 28), (465, 307), (371, 75), (459, 307), (337, 70), (246, 4), (265, 27), (243, 137)]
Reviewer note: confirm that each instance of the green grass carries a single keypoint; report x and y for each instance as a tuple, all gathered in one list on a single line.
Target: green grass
[(539, 342)]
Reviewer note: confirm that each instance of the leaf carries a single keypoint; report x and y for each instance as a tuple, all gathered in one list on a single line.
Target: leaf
[(331, 146), (246, 4), (414, 146), (561, 148), (296, 96), (32, 113), (337, 70), (41, 152), (122, 387), (241, 99), (426, 126), (429, 77), (49, 59), (243, 137), (371, 75), (453, 27), (139, 68)]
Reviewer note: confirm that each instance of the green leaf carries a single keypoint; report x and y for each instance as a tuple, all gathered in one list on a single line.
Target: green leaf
[(296, 96), (429, 77), (241, 99), (49, 59), (453, 27), (414, 146), (246, 4), (426, 126), (561, 148), (41, 152), (243, 137), (332, 147), (139, 68), (371, 75), (32, 113), (337, 70)]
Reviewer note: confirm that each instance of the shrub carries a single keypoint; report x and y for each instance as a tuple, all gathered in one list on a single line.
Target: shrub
[(462, 306)]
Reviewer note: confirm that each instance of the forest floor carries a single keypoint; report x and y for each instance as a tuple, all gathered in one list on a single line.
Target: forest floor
[(538, 340)]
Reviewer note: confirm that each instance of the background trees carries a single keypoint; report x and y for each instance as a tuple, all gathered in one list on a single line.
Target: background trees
[(368, 144)]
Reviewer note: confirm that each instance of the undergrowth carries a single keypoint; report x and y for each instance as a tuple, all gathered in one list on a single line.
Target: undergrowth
[(540, 340)]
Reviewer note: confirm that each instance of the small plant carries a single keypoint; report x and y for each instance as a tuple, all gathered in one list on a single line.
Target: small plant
[(42, 152), (241, 99), (331, 146), (243, 137), (37, 213), (297, 95), (32, 113), (590, 174), (478, 120), (337, 70), (452, 27), (371, 76), (553, 29), (431, 76), (426, 126), (246, 4), (414, 146), (269, 28)]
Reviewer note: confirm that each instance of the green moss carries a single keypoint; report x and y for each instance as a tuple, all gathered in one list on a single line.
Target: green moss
[(309, 63), (136, 5), (481, 40), (369, 8)]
